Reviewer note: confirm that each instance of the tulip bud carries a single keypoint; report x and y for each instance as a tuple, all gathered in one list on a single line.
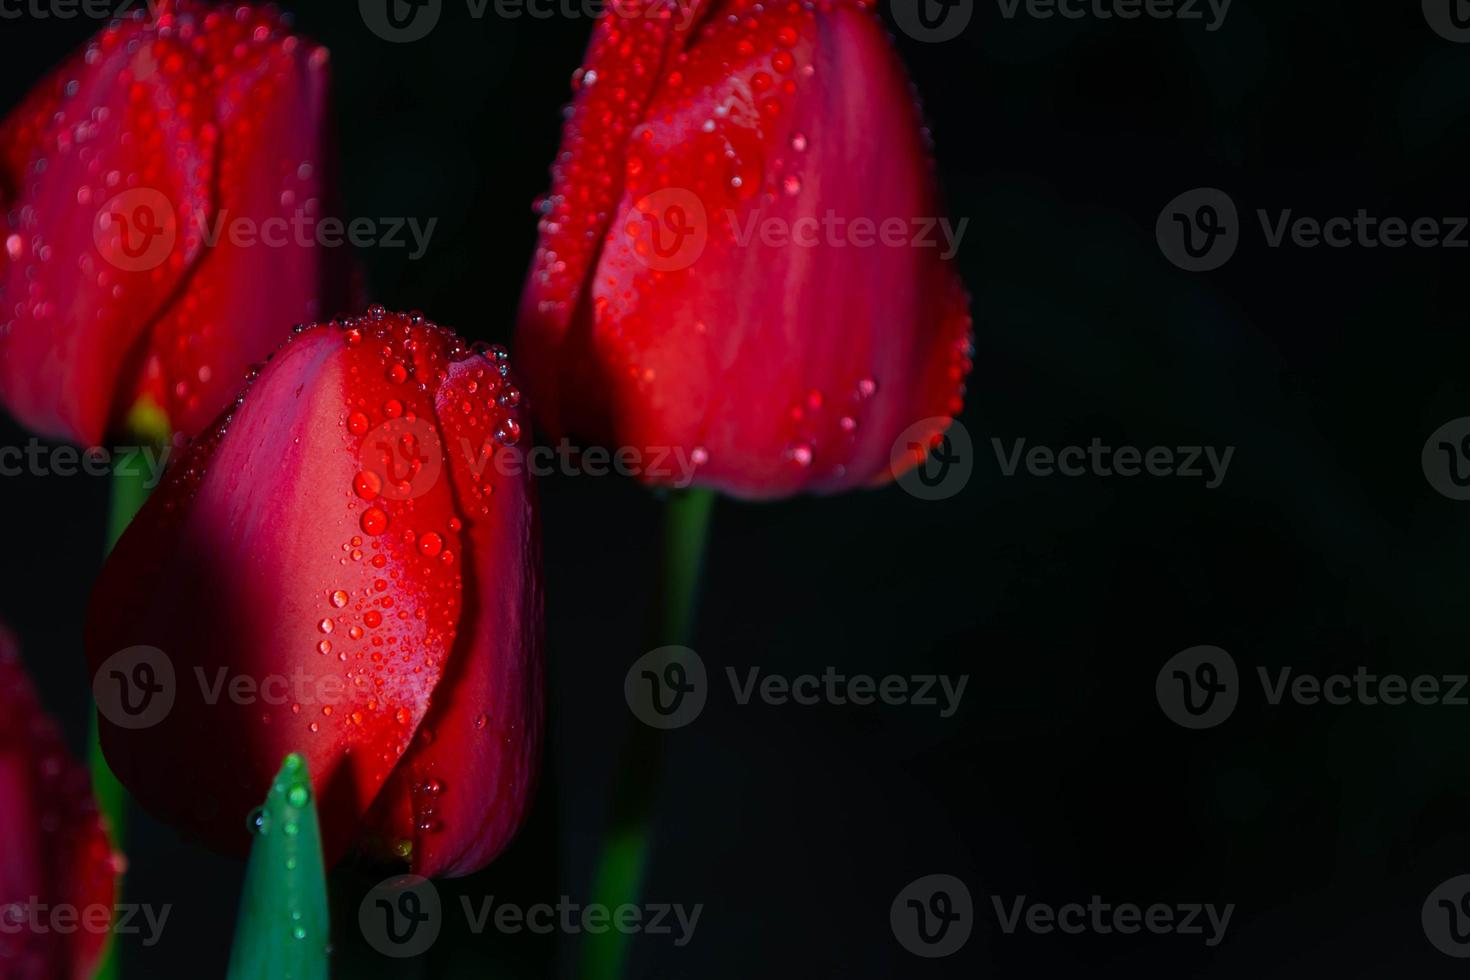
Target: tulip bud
[(56, 860), (742, 255), (162, 189), (340, 567)]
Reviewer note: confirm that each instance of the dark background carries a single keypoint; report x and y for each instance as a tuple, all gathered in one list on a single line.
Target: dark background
[(1059, 778)]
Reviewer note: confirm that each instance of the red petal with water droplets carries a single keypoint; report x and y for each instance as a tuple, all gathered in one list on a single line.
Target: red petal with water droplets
[(782, 367), (462, 792), (121, 171), (339, 541), (626, 59), (266, 556), (56, 849)]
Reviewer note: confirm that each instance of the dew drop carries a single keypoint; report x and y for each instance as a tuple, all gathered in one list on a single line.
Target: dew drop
[(367, 484), (508, 433), (374, 521)]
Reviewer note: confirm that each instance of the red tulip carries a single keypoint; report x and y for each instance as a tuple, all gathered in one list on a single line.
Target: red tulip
[(128, 175), (733, 258), (57, 869), (338, 568)]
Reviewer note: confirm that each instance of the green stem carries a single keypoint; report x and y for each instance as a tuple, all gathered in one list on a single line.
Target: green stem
[(621, 867), (130, 488)]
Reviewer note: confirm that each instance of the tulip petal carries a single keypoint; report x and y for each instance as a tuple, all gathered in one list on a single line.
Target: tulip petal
[(629, 51), (280, 550), (460, 796), (96, 248), (273, 192), (785, 362), (56, 849), (153, 184)]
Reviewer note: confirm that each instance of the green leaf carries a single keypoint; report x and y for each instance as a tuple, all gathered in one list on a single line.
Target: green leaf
[(283, 932)]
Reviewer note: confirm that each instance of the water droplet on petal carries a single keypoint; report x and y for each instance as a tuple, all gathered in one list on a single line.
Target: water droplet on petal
[(374, 521)]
